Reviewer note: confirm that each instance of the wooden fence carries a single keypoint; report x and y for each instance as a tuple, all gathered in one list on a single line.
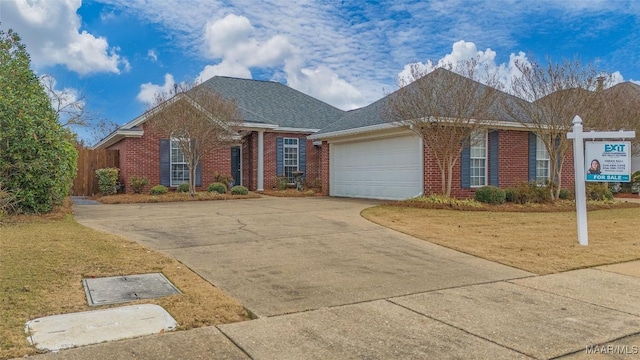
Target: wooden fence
[(86, 182)]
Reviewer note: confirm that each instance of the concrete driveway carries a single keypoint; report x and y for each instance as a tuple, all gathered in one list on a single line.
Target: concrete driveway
[(286, 255), (328, 284)]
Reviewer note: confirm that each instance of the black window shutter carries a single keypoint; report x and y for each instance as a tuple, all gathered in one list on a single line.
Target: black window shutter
[(165, 162), (302, 156), (279, 156), (199, 174), (465, 166), (533, 139), (494, 167)]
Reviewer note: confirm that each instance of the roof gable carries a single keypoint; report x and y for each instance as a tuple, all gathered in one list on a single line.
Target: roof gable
[(370, 115)]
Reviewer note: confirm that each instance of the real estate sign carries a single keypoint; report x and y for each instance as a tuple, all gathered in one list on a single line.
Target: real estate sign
[(608, 161)]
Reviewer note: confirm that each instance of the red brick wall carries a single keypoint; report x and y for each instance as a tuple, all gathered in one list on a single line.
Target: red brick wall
[(141, 157), (270, 157), (513, 169), (513, 157), (433, 182), (250, 159), (313, 164), (568, 176), (324, 167)]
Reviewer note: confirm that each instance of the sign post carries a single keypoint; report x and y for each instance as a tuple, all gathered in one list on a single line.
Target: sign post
[(578, 137)]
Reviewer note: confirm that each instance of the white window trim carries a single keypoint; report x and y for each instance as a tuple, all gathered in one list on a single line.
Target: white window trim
[(540, 145), (171, 163), (284, 156), (485, 158)]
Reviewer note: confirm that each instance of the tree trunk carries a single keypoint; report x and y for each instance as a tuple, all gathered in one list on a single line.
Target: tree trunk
[(192, 180), (449, 175), (559, 184)]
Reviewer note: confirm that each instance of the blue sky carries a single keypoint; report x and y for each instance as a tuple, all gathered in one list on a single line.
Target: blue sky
[(118, 53)]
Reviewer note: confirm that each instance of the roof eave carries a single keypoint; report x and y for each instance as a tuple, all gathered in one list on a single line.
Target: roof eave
[(116, 136)]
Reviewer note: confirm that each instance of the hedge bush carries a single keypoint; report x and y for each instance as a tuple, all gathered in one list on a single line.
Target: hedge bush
[(138, 183), (599, 191), (528, 193), (282, 182), (159, 190), (565, 194), (490, 195), (218, 187), (633, 186), (222, 178), (239, 190), (183, 188), (107, 180)]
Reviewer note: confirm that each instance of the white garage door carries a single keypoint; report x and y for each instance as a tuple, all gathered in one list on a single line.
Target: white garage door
[(389, 168)]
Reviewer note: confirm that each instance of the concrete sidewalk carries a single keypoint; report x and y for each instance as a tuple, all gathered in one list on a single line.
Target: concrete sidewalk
[(328, 284), (554, 316)]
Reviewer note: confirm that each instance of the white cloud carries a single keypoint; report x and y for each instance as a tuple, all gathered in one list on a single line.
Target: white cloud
[(152, 54), (324, 84), (148, 90), (615, 78), (231, 39), (223, 35), (51, 32), (224, 68), (464, 51)]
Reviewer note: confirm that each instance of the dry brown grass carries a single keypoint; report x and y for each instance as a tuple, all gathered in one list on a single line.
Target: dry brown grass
[(539, 242), (169, 197), (43, 262)]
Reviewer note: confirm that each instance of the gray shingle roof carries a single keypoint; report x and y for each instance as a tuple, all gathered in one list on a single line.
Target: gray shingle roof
[(371, 114), (271, 102)]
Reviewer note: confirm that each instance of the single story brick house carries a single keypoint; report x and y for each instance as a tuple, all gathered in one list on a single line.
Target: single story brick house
[(365, 156), (350, 153), (276, 123)]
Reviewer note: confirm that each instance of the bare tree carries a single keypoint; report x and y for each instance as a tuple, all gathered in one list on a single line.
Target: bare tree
[(559, 92), (198, 120), (617, 108), (69, 105), (445, 107)]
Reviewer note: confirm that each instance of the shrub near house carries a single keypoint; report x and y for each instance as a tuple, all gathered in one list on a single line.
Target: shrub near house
[(37, 158)]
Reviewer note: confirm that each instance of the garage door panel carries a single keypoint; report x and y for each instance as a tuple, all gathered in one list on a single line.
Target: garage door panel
[(389, 168)]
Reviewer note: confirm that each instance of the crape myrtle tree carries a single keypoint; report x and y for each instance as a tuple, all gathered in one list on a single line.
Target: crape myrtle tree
[(616, 108), (37, 160), (559, 91), (198, 119), (446, 108)]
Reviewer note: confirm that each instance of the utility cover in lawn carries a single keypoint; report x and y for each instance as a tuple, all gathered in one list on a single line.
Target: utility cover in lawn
[(121, 289)]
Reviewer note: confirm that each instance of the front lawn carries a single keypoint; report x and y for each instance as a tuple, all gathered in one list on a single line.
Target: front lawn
[(42, 263), (539, 242)]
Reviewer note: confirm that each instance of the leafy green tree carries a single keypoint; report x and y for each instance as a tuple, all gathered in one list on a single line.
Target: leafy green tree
[(37, 158)]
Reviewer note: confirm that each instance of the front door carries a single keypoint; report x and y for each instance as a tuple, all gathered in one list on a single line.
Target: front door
[(236, 164)]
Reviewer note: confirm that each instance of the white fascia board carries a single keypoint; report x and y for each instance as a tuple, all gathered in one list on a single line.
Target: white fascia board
[(116, 136), (295, 130), (354, 131), (256, 126), (378, 127)]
